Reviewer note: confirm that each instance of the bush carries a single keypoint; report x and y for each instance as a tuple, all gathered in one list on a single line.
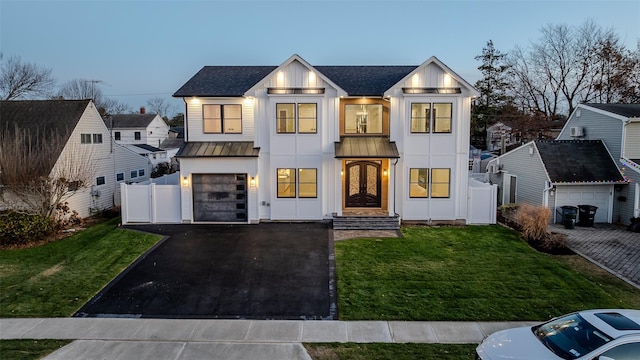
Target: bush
[(533, 221), (20, 229)]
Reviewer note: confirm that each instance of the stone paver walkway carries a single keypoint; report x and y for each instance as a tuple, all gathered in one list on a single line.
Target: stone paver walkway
[(611, 247)]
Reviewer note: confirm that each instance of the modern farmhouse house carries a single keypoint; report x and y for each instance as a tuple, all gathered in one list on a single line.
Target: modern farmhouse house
[(298, 142)]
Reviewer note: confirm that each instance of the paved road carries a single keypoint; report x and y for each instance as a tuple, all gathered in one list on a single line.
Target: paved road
[(611, 247)]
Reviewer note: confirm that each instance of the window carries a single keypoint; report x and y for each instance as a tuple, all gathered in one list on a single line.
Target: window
[(85, 138), (136, 135), (442, 114), (285, 118), (100, 180), (307, 183), (286, 183), (418, 181), (307, 118), (363, 119), (420, 117), (627, 351), (141, 172), (97, 138), (134, 174), (116, 135), (306, 115), (425, 114), (440, 179), (220, 119), (119, 177)]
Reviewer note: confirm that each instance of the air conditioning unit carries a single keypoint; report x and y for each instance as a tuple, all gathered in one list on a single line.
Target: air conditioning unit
[(95, 192), (577, 131), (493, 168)]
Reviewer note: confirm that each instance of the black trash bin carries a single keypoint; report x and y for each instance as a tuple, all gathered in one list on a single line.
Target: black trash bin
[(587, 214), (569, 214)]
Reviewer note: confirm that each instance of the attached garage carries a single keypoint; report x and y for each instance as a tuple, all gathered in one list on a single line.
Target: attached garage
[(596, 195), (219, 197)]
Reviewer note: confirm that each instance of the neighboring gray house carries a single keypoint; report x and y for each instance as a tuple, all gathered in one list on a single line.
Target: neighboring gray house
[(618, 126), (558, 173)]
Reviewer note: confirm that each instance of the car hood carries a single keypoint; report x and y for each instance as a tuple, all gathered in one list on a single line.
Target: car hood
[(514, 344)]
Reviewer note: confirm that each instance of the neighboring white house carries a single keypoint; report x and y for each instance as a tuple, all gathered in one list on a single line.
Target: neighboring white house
[(618, 126), (143, 128), (87, 138), (154, 154), (298, 142)]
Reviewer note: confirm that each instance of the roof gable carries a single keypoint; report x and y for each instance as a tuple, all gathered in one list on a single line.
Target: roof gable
[(578, 161), (434, 61)]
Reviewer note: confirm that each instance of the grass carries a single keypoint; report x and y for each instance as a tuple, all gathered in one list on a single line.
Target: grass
[(351, 351), (55, 279), (473, 273), (29, 349)]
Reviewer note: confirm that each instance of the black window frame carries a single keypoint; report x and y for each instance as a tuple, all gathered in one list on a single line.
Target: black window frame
[(101, 180), (222, 119), (85, 139), (137, 135)]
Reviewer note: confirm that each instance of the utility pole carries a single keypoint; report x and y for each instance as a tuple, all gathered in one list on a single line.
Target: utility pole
[(93, 83)]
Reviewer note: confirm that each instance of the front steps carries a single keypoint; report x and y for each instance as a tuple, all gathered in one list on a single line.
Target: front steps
[(365, 222)]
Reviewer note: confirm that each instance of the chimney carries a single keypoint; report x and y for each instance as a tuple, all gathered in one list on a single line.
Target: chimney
[(142, 110)]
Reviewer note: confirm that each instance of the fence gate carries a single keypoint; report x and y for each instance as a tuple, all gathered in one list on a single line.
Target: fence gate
[(150, 203)]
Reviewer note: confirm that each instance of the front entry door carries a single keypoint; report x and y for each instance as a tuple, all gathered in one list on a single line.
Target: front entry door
[(363, 184)]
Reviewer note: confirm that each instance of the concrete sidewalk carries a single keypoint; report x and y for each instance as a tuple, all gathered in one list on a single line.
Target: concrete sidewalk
[(120, 338)]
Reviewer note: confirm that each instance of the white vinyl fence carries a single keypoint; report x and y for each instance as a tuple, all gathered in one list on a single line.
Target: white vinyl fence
[(150, 203), (482, 204)]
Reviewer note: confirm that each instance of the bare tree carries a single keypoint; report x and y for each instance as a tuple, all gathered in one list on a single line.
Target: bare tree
[(563, 68), (51, 177), (78, 89), (160, 106), (21, 80)]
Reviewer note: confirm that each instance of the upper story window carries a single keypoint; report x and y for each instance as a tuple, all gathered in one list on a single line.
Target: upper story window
[(97, 138), (363, 119), (85, 138), (300, 116), (136, 135), (431, 117), (222, 119)]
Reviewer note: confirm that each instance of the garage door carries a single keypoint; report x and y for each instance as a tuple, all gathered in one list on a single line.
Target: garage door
[(598, 195), (220, 197)]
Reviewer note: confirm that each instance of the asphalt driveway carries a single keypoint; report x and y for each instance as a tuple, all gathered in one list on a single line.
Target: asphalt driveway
[(265, 271)]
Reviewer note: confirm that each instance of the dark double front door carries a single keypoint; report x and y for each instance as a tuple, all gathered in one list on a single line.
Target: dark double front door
[(363, 183)]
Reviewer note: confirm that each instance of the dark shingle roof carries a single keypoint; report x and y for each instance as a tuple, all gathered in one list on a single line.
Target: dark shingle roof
[(626, 110), (236, 80), (578, 161), (148, 147), (120, 121), (43, 118), (223, 80), (218, 149), (365, 80)]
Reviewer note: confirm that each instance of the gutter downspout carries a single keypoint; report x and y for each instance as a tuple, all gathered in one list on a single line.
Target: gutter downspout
[(394, 186), (548, 188)]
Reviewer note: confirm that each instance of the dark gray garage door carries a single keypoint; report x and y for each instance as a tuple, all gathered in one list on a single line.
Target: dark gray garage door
[(220, 197)]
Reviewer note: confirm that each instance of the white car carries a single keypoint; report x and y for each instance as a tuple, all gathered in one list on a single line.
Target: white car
[(584, 335)]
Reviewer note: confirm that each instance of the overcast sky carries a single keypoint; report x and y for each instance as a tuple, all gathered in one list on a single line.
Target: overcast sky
[(144, 49)]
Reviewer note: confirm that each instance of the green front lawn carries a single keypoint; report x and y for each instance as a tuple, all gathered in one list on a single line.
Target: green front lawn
[(57, 278), (29, 349), (473, 273), (378, 351)]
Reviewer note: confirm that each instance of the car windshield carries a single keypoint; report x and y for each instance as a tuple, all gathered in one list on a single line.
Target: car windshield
[(570, 336)]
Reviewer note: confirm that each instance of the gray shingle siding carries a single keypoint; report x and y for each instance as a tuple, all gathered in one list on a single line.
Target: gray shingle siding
[(531, 175), (623, 210), (596, 128)]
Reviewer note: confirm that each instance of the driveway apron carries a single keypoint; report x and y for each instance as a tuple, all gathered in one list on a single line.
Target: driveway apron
[(265, 271)]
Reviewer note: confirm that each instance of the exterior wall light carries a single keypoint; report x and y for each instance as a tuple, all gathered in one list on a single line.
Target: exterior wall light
[(185, 181), (252, 182), (384, 172)]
